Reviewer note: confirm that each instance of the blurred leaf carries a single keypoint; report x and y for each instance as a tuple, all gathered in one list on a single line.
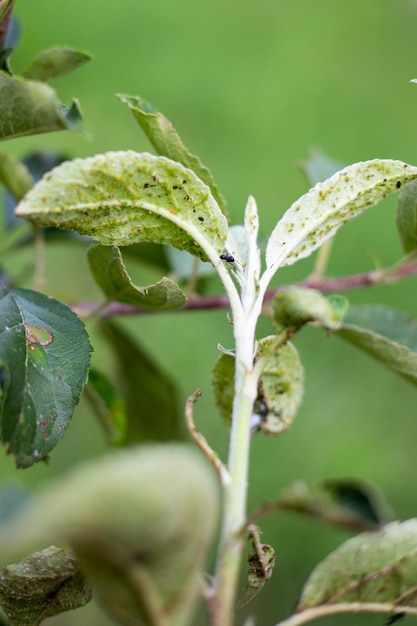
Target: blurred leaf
[(56, 62), (110, 274), (150, 395), (318, 167), (140, 521), (279, 392), (13, 496), (359, 497), (14, 175), (108, 405), (14, 32), (406, 218), (30, 107), (167, 142), (295, 306), (5, 55), (316, 216), (261, 561), (43, 584), (121, 198), (388, 335), (352, 504), (5, 5), (372, 568), (44, 356), (183, 265)]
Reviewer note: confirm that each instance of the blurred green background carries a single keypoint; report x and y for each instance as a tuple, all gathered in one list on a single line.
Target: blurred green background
[(251, 87)]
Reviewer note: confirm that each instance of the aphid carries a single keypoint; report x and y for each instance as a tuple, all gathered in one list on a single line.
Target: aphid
[(226, 256)]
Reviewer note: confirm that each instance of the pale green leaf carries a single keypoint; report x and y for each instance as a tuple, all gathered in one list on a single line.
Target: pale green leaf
[(372, 568), (388, 335), (140, 522), (295, 306), (406, 218), (316, 216), (167, 142), (14, 175), (120, 198), (110, 273)]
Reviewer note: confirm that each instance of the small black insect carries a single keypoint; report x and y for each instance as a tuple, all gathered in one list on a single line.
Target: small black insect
[(226, 256), (398, 184), (394, 618)]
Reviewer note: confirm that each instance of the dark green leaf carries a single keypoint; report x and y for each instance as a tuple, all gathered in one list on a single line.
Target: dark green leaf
[(360, 498), (407, 217), (45, 356), (109, 272), (150, 395), (167, 142), (388, 335), (30, 107), (120, 198), (43, 584), (318, 167), (377, 568), (108, 405), (56, 62), (5, 55)]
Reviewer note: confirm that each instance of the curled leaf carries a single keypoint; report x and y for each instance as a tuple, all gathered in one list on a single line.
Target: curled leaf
[(139, 521), (120, 198), (317, 215), (406, 217), (296, 306)]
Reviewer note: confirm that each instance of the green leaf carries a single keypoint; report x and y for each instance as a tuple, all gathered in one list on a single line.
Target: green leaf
[(319, 166), (295, 306), (374, 568), (280, 386), (167, 142), (108, 405), (121, 198), (43, 584), (30, 107), (109, 272), (56, 62), (44, 356), (316, 216), (14, 175), (388, 335), (150, 395), (407, 217), (361, 498), (140, 522)]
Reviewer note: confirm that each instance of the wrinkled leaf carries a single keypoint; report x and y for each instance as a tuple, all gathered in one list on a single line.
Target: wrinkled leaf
[(43, 584), (318, 167), (121, 198), (108, 405), (110, 274), (388, 335), (150, 395), (30, 107), (371, 568), (296, 306), (167, 142), (56, 62), (140, 522), (44, 356), (316, 216), (261, 560), (407, 217), (279, 392)]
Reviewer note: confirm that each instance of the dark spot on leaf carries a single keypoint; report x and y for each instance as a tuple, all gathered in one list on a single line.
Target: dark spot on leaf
[(394, 618), (398, 184), (186, 197), (146, 185), (175, 186), (201, 219), (184, 182)]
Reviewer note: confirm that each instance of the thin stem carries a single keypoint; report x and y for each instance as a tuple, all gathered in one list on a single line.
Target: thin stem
[(353, 607)]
